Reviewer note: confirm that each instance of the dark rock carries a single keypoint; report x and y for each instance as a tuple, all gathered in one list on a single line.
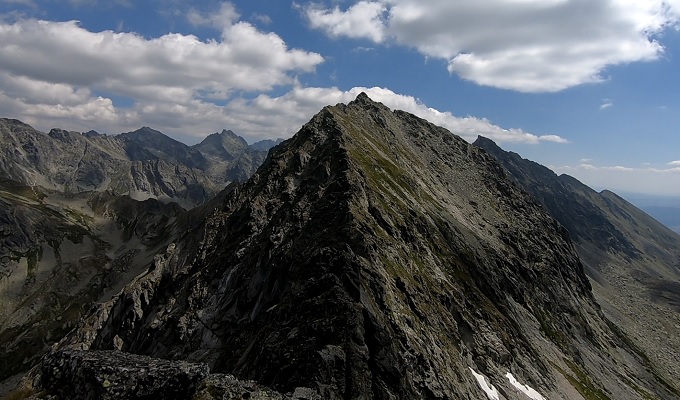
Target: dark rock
[(225, 145), (233, 159), (165, 148), (115, 375)]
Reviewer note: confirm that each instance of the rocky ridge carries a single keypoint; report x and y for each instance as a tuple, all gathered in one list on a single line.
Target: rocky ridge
[(633, 260), (231, 156), (375, 255), (81, 217)]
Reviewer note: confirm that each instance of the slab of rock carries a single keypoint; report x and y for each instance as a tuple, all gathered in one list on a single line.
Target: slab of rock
[(116, 375)]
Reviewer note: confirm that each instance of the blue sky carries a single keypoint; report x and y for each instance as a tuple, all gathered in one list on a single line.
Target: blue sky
[(589, 88)]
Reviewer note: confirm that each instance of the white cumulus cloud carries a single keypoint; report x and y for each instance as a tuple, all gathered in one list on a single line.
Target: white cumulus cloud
[(59, 74), (527, 46), (69, 71), (363, 19)]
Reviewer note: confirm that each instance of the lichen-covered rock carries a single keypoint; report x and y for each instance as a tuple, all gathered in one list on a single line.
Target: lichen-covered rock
[(105, 375), (226, 387)]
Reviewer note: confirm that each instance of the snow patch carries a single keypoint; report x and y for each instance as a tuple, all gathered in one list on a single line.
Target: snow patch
[(526, 389), (490, 391)]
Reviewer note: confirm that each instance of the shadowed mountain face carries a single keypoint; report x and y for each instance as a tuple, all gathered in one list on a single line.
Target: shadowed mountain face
[(373, 255), (60, 254), (142, 164), (633, 260), (225, 145), (146, 143)]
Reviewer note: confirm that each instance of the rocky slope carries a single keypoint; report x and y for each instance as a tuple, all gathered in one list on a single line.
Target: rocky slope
[(142, 164), (374, 255), (633, 260), (61, 254)]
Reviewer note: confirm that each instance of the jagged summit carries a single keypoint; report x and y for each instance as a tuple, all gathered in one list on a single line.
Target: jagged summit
[(376, 255), (225, 145), (362, 98)]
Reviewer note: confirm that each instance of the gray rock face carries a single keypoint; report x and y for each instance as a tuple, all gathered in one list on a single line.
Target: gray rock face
[(225, 145), (375, 255), (80, 217), (149, 144), (633, 260)]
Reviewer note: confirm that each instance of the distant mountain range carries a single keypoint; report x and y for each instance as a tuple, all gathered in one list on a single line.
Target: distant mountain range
[(372, 255), (669, 216), (142, 164), (665, 209)]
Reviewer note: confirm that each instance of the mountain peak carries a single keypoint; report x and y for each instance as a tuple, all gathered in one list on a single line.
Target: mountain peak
[(363, 98), (92, 134), (364, 101), (145, 132), (15, 123), (372, 246), (484, 142), (223, 145), (60, 134)]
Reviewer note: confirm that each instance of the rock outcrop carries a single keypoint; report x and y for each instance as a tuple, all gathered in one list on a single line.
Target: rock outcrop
[(232, 158), (114, 375), (375, 255)]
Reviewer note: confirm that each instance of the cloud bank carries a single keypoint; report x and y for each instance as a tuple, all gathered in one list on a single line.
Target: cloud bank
[(58, 71), (522, 45), (58, 74)]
